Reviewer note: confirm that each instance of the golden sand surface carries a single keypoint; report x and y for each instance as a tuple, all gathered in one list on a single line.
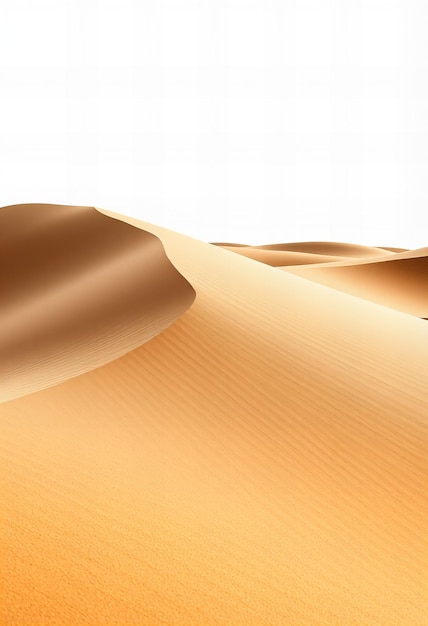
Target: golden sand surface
[(262, 461)]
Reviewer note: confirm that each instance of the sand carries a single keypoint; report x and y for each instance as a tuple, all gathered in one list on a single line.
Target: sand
[(261, 461), (79, 289), (282, 258), (393, 277), (400, 283), (329, 248)]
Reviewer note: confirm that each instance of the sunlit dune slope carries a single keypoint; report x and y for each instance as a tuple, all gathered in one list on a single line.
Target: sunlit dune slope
[(259, 462), (78, 289), (400, 282)]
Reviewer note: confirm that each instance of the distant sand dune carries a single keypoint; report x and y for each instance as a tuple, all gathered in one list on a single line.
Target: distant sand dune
[(405, 254), (230, 245), (78, 290), (330, 248), (393, 249), (278, 258), (400, 282), (306, 252), (393, 277), (260, 462)]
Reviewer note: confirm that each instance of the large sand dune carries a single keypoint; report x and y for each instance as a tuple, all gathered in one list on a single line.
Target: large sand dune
[(78, 290), (262, 461)]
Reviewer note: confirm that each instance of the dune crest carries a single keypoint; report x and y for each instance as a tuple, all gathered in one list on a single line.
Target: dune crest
[(78, 290)]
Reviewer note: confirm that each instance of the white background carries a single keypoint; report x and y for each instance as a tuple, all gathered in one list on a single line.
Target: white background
[(229, 120)]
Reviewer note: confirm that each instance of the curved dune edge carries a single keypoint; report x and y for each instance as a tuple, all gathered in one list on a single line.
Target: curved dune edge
[(79, 289), (253, 464)]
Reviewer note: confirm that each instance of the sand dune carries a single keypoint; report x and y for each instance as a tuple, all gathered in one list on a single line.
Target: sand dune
[(79, 289), (306, 253), (405, 254), (393, 277), (281, 258), (330, 248), (388, 249), (261, 461), (230, 245), (400, 282)]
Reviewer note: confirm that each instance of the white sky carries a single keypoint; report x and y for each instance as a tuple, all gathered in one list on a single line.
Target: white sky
[(229, 120)]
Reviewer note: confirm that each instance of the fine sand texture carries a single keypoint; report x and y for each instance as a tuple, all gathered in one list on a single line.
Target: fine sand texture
[(78, 290), (262, 461)]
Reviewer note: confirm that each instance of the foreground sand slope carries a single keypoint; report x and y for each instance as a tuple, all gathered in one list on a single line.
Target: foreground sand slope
[(78, 290), (260, 462)]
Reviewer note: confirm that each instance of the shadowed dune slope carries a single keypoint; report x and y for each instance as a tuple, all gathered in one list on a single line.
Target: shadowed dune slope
[(78, 290), (255, 464), (400, 282)]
